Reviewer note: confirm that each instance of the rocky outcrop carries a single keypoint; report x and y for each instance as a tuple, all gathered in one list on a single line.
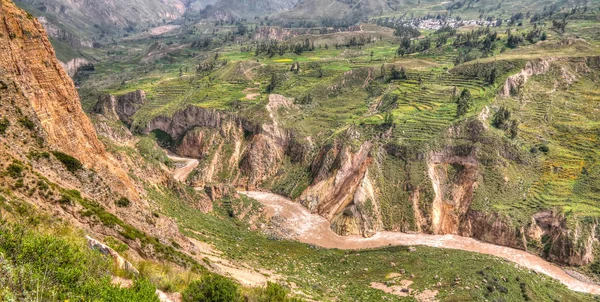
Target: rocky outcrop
[(121, 262), (29, 65), (121, 107), (341, 190), (492, 228), (29, 62), (73, 66), (514, 83), (573, 246), (453, 175), (230, 148)]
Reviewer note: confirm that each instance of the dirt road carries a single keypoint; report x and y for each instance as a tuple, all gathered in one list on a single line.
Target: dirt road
[(313, 229), (181, 172)]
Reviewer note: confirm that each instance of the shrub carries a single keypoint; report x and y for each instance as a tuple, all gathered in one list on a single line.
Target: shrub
[(212, 288), (27, 123), (274, 293), (52, 267), (595, 267), (501, 118), (15, 170), (4, 124), (123, 202), (544, 148), (71, 163), (65, 200)]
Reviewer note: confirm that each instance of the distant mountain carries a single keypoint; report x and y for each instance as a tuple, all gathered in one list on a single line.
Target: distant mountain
[(237, 9), (77, 23)]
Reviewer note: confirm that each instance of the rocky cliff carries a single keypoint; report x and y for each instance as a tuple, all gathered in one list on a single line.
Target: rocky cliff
[(31, 67), (121, 107), (60, 164)]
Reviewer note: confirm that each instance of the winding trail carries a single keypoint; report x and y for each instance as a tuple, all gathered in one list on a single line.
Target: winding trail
[(309, 228)]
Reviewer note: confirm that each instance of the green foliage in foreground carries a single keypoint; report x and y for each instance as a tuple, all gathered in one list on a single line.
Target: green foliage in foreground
[(212, 288), (41, 267)]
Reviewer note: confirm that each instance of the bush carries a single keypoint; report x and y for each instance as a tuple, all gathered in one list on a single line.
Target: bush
[(544, 148), (595, 267), (71, 163), (15, 170), (501, 118), (212, 288), (27, 123), (4, 124), (50, 267), (123, 202)]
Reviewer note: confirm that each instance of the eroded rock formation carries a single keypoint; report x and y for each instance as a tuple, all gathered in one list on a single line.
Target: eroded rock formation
[(121, 107)]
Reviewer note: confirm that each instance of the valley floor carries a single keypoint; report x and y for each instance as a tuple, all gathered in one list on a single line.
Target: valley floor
[(301, 225), (295, 222)]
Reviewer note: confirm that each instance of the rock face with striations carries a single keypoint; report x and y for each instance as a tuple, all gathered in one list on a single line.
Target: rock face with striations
[(28, 64)]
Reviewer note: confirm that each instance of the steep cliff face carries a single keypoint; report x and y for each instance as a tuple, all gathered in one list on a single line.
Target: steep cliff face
[(121, 107), (64, 169), (453, 178), (341, 190), (29, 64), (231, 148), (73, 66)]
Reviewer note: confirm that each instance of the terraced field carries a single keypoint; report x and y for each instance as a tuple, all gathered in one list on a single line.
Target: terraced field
[(564, 117)]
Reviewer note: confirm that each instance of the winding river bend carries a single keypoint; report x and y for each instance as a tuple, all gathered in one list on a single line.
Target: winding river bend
[(314, 229)]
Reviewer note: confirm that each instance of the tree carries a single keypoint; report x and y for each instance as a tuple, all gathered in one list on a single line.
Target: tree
[(398, 74), (501, 118), (491, 79), (464, 103), (212, 288), (514, 129), (272, 83)]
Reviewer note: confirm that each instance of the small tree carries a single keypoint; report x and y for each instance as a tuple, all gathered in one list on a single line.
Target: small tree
[(491, 79), (272, 83), (514, 129), (464, 103), (501, 118), (212, 288)]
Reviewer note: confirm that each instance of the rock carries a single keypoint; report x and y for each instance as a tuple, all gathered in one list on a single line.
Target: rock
[(121, 262), (412, 249), (121, 107)]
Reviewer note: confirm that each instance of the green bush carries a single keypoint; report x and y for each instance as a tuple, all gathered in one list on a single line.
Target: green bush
[(71, 163), (501, 118), (123, 202), (15, 170), (43, 267), (27, 123), (212, 288), (4, 124)]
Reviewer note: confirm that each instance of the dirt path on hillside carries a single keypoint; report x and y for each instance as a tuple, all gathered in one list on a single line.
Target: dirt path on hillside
[(305, 227), (186, 166)]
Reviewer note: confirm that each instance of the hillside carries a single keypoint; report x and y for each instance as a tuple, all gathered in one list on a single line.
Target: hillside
[(319, 158)]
